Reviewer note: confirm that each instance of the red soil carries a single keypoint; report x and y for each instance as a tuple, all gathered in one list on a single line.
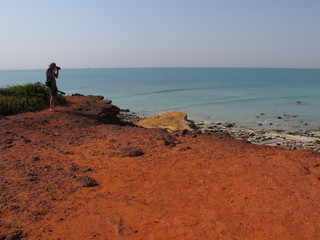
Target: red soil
[(151, 184)]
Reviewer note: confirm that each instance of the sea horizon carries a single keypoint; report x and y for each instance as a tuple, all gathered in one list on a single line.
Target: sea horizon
[(80, 68), (285, 98)]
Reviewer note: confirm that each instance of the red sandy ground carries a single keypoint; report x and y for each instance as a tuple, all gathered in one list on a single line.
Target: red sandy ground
[(183, 186)]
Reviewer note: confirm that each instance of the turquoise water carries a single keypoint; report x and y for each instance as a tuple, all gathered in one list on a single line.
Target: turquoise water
[(210, 94)]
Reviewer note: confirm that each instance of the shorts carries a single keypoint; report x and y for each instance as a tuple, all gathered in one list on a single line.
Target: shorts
[(53, 91)]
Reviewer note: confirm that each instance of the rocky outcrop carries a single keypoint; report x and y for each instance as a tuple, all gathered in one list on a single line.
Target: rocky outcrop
[(109, 114), (95, 107), (172, 121)]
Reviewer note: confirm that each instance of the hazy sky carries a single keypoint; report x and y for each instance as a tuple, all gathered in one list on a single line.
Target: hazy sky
[(159, 33)]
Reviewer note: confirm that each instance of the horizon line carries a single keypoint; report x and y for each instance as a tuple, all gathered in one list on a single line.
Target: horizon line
[(82, 68)]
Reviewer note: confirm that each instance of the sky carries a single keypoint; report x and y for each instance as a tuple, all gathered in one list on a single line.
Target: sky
[(159, 33)]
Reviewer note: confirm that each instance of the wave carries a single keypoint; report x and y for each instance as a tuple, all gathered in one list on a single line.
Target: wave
[(239, 100), (171, 91), (161, 92)]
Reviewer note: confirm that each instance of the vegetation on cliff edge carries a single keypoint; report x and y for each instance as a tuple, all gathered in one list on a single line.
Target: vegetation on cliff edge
[(25, 98)]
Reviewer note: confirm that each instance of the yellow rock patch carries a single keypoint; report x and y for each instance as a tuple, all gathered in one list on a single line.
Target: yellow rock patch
[(172, 121)]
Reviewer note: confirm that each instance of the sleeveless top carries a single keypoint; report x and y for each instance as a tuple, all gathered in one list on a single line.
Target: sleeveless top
[(50, 79)]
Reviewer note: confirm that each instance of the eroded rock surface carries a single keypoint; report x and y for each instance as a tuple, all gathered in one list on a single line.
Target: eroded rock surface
[(172, 121)]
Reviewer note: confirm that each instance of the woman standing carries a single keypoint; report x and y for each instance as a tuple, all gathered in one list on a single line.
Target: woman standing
[(52, 73)]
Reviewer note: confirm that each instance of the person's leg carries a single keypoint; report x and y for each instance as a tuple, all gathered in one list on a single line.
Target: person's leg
[(52, 102), (53, 98)]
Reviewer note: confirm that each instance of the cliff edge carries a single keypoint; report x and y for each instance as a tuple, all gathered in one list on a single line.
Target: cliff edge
[(82, 173)]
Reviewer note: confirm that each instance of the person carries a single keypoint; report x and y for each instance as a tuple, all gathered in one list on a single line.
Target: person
[(52, 73)]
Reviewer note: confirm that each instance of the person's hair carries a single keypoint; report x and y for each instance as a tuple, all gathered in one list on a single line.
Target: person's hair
[(52, 64)]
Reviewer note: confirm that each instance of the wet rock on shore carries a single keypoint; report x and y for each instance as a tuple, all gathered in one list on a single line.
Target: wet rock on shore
[(277, 137), (289, 140)]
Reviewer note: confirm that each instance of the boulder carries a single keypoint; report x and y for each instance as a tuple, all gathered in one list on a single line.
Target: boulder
[(109, 113), (172, 121)]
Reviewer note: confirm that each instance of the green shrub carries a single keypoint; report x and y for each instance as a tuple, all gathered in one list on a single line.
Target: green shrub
[(25, 98)]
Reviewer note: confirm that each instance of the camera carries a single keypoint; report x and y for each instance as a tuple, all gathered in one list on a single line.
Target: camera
[(58, 68)]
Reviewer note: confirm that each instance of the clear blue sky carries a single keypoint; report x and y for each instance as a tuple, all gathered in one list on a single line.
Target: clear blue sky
[(159, 33)]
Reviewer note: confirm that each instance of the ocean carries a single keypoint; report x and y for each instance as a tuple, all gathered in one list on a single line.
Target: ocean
[(286, 99)]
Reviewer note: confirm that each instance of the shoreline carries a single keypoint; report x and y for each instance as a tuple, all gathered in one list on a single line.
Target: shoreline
[(291, 140)]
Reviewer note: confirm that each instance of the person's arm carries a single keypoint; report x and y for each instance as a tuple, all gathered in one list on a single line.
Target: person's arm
[(57, 73)]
